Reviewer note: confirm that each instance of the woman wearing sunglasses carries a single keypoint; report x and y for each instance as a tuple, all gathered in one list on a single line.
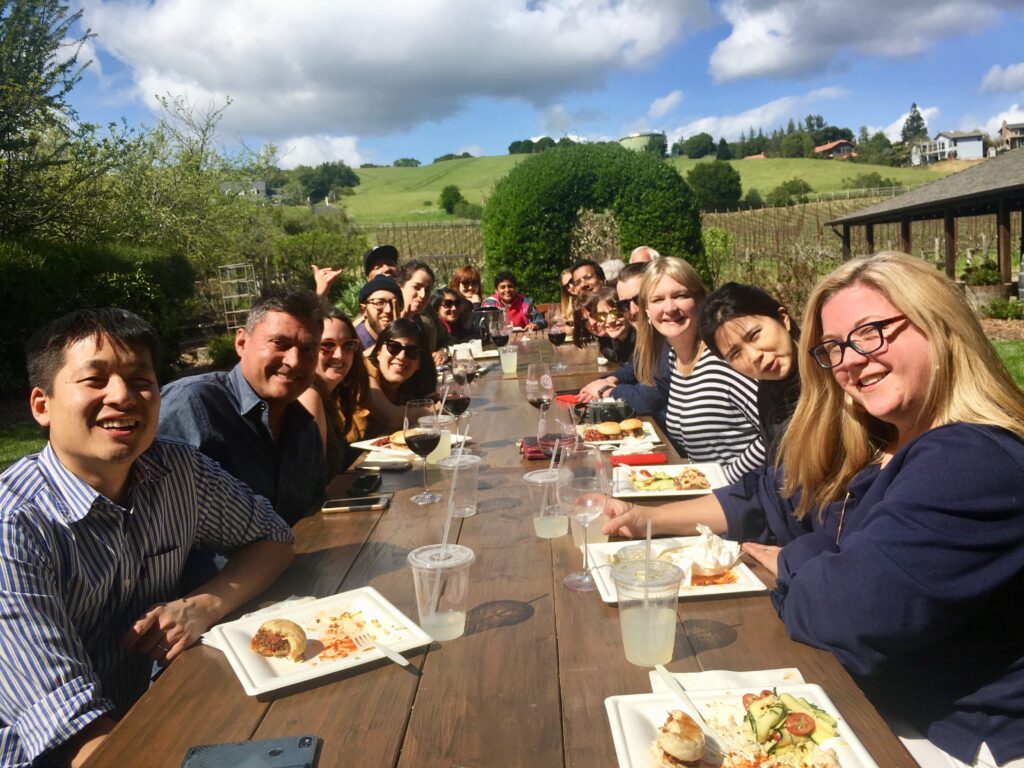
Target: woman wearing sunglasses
[(451, 311), (401, 369), (895, 522), (340, 392), (615, 336), (755, 334)]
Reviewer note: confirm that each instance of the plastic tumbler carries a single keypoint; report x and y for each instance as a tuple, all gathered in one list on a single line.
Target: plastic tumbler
[(647, 596), (446, 424), (441, 577), (509, 355), (549, 520), (460, 475)]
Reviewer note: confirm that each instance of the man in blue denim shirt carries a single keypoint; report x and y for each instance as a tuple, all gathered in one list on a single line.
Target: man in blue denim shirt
[(249, 420)]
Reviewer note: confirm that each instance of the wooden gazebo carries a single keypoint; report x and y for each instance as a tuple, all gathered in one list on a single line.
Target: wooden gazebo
[(994, 187)]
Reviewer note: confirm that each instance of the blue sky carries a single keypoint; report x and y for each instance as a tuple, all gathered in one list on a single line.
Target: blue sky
[(372, 82)]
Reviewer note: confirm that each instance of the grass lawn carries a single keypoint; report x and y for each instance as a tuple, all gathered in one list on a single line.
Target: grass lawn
[(1012, 353), (387, 195)]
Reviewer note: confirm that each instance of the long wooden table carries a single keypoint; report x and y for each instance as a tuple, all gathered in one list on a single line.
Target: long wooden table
[(526, 684)]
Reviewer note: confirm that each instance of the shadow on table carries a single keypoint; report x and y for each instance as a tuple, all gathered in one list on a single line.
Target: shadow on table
[(497, 614), (707, 635)]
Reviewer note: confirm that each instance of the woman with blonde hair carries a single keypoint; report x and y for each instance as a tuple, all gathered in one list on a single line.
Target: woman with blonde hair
[(900, 508)]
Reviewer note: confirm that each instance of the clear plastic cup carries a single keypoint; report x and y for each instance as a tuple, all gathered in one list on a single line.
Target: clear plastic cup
[(464, 470), (647, 596), (444, 445), (441, 577), (509, 355), (549, 520)]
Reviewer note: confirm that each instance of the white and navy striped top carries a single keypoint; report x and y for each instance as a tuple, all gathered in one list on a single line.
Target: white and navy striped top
[(76, 570), (711, 415)]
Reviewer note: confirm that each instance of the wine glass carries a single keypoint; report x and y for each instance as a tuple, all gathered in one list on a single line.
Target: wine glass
[(464, 363), (556, 335), (556, 429), (459, 397), (583, 498), (421, 437), (540, 389), (499, 330)]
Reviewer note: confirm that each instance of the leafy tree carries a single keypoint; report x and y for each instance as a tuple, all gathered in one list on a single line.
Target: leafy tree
[(521, 147), (724, 152), (699, 145), (716, 185), (529, 219), (318, 182), (872, 180), (863, 137), (797, 144), (451, 156), (657, 145), (565, 141), (914, 127), (753, 199), (406, 162), (789, 192), (677, 148), (877, 150), (543, 143), (464, 210), (450, 196)]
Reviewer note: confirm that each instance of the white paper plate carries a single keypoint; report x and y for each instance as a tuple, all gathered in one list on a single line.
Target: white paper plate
[(746, 581), (259, 674), (635, 721), (405, 453), (622, 487), (649, 434)]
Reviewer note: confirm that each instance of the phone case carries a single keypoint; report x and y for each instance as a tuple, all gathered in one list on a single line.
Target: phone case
[(288, 752)]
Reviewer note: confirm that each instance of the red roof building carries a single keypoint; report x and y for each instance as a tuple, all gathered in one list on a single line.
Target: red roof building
[(837, 148)]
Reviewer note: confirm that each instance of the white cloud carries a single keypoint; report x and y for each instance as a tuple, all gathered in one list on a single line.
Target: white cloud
[(313, 150), (1015, 114), (767, 116), (665, 104), (785, 38), (474, 149), (1009, 78), (334, 68), (930, 115)]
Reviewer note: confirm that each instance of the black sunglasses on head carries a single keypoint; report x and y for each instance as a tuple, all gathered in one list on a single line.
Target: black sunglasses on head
[(412, 352)]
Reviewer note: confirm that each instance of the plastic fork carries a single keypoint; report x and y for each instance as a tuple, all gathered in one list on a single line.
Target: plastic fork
[(365, 640)]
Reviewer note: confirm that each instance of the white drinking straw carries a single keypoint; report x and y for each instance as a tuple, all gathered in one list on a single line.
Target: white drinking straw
[(647, 560)]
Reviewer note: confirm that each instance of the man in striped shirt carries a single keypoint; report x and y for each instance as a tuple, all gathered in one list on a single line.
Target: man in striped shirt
[(94, 531)]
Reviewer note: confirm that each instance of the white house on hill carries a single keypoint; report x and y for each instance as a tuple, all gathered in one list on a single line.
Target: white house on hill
[(949, 145)]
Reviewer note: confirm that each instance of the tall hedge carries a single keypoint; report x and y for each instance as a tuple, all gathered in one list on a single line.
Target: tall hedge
[(529, 219)]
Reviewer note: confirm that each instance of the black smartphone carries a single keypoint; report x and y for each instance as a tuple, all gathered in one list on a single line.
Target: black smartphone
[(289, 752), (387, 465), (357, 504), (365, 484)]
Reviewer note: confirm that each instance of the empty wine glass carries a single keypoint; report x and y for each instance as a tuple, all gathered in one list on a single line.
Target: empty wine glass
[(540, 389), (422, 434), (584, 499)]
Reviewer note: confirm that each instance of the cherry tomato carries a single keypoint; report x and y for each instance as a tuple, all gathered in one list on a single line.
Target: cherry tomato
[(775, 736), (645, 473), (799, 723), (748, 699)]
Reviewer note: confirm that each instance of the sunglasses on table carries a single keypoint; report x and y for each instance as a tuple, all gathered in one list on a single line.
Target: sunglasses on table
[(394, 348), (864, 339), (349, 346)]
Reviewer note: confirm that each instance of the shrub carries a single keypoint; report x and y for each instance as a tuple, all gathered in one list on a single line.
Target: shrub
[(1003, 309), (222, 351), (986, 273), (450, 195), (715, 185), (753, 199), (529, 219), (464, 210), (789, 193)]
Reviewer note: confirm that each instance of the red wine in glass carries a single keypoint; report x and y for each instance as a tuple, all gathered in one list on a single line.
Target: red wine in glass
[(539, 402), (423, 443), (457, 404), (500, 340), (556, 337)]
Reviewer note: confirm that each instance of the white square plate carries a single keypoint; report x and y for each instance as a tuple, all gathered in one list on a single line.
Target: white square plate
[(649, 434), (622, 486), (635, 721), (260, 674), (745, 581), (405, 453)]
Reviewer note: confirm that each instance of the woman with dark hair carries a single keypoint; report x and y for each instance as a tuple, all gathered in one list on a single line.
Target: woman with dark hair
[(466, 282), (615, 337), (416, 279), (755, 334), (400, 369), (519, 309), (451, 311), (340, 392)]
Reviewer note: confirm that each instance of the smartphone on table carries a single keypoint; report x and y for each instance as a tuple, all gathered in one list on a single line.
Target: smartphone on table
[(287, 752), (357, 504)]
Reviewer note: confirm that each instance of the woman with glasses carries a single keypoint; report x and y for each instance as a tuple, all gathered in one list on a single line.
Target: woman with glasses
[(451, 310), (340, 392), (519, 309), (755, 334), (466, 281), (895, 521), (615, 337), (400, 369)]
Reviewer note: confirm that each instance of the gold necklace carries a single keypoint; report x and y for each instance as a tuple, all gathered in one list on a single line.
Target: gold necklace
[(842, 518)]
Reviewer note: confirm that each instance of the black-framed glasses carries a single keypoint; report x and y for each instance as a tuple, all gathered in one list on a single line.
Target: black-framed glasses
[(379, 304), (623, 304), (412, 352), (449, 303), (864, 339), (349, 346)]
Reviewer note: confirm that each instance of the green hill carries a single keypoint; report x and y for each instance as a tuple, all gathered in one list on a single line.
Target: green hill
[(410, 194)]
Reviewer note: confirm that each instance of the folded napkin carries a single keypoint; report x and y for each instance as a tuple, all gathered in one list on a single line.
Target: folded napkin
[(632, 445), (724, 679), (711, 553), (637, 459), (269, 610)]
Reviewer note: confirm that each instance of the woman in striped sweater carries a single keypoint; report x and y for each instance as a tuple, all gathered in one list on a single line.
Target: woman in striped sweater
[(711, 410)]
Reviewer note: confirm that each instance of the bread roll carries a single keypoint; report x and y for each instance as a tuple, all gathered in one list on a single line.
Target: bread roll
[(680, 741), (608, 428), (632, 426), (279, 637)]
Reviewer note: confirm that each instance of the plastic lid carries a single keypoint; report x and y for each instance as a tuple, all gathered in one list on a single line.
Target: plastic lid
[(544, 476), (443, 420), (434, 557), (656, 574), (465, 461)]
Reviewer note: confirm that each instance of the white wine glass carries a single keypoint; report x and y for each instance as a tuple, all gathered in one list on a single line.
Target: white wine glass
[(584, 499)]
